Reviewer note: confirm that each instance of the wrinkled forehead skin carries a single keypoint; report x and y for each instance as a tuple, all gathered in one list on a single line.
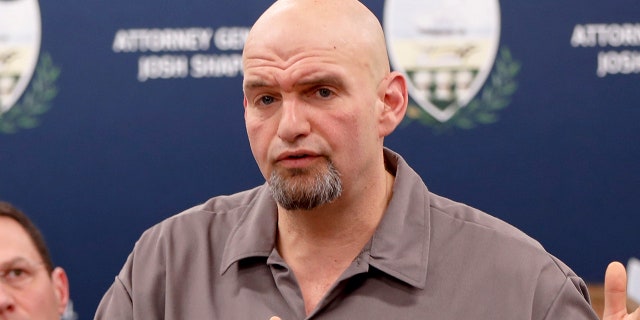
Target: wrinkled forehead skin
[(15, 242), (342, 27)]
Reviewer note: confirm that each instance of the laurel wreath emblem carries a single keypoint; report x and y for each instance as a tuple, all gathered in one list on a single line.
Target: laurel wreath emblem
[(483, 109), (35, 101)]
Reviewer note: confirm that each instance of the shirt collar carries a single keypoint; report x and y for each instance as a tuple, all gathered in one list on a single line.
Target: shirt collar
[(255, 234), (399, 247)]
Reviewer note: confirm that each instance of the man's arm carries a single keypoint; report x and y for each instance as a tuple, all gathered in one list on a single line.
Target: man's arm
[(116, 303)]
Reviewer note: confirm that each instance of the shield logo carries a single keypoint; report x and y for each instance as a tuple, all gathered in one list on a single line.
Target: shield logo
[(445, 48), (20, 35)]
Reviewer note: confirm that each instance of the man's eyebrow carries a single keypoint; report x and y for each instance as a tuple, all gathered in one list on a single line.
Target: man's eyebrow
[(255, 84), (311, 81), (321, 81), (13, 261)]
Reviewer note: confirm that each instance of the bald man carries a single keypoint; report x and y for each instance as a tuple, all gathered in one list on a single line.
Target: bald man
[(343, 228)]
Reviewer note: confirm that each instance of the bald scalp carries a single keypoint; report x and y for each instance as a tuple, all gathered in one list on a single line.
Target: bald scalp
[(345, 25)]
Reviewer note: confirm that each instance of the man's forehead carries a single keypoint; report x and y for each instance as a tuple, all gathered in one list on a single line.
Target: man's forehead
[(287, 49), (15, 241), (304, 78)]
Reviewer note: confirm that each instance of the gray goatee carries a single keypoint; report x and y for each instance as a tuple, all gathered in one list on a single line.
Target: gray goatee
[(305, 189)]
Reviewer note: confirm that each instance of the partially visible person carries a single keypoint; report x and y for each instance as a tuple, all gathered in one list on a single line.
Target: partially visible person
[(30, 286), (342, 228)]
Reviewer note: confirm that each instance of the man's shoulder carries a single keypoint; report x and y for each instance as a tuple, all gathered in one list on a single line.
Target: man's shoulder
[(218, 214), (496, 244), (477, 221), (221, 205)]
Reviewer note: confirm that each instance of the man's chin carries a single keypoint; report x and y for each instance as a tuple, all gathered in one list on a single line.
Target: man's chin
[(305, 189)]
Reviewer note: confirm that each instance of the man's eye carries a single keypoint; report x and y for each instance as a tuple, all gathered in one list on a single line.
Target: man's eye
[(266, 100), (324, 92), (15, 273)]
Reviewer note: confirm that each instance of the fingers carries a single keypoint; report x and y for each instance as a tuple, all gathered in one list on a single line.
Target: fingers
[(274, 318), (615, 290)]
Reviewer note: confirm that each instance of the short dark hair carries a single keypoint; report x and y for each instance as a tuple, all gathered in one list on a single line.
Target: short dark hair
[(9, 211)]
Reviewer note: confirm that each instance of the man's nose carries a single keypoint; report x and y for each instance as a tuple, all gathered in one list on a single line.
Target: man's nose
[(6, 299), (294, 121)]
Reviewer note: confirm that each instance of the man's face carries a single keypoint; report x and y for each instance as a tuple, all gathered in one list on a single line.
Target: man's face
[(311, 104), (27, 291)]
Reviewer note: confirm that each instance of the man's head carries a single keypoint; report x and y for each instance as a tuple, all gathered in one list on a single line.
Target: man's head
[(30, 286), (319, 99)]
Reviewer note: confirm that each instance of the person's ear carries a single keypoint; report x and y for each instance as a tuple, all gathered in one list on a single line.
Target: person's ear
[(395, 98), (60, 288), (244, 104)]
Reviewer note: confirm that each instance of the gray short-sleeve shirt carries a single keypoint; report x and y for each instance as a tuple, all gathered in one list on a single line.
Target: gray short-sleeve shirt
[(430, 258)]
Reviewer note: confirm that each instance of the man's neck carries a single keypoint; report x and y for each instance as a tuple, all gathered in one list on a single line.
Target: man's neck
[(320, 244), (348, 221)]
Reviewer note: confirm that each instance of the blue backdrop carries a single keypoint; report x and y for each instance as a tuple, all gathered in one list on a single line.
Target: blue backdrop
[(114, 154)]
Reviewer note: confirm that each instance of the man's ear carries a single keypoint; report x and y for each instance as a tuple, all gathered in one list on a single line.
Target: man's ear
[(395, 99), (244, 105), (60, 288)]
